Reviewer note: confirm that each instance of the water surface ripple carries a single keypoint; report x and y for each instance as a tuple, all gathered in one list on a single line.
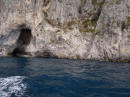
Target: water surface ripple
[(42, 77)]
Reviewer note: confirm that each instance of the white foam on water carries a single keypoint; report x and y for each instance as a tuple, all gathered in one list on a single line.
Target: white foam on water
[(12, 85)]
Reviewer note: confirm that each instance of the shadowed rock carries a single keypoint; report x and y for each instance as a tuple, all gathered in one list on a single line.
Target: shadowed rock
[(22, 42)]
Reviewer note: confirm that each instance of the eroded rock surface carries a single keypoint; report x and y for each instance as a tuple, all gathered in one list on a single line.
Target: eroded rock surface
[(75, 29)]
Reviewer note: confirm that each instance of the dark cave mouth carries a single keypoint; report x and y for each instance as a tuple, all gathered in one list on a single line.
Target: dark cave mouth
[(23, 41)]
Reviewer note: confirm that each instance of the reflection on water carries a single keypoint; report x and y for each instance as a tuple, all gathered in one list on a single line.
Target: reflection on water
[(68, 78)]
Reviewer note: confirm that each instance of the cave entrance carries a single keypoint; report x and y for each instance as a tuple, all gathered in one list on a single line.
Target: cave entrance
[(22, 42)]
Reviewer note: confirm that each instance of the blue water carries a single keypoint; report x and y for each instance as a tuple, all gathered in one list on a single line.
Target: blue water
[(42, 77)]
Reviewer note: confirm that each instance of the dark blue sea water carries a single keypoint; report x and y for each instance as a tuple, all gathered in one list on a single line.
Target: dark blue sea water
[(42, 77)]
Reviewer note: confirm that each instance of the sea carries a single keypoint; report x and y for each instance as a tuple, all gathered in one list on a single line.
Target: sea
[(51, 77)]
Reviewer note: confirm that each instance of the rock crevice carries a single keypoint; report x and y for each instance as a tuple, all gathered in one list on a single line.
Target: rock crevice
[(75, 29)]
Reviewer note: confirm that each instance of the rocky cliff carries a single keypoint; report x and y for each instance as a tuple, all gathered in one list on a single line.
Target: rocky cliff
[(75, 29)]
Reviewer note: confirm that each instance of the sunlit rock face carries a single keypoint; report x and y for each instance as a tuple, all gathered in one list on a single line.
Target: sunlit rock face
[(75, 29), (12, 86)]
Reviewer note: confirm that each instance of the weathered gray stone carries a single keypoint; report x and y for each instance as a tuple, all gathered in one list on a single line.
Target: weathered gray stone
[(75, 29)]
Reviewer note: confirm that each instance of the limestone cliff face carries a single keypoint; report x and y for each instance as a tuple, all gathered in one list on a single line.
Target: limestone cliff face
[(76, 29)]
